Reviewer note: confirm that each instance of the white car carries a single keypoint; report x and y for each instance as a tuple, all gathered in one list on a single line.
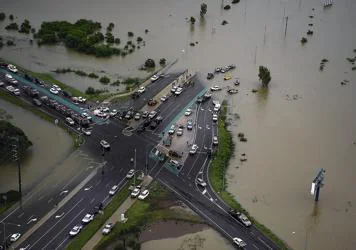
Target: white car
[(178, 91), (1, 83), (164, 98), (141, 90), (135, 192), (54, 91), (215, 140), (240, 243), (107, 229), (172, 130), (215, 117), (81, 99), (113, 190), (215, 88), (85, 115), (180, 132), (12, 68), (154, 78), (243, 218), (88, 218), (137, 116), (16, 92), (10, 89), (86, 131), (194, 149), (174, 89), (143, 195), (201, 182), (15, 237), (188, 112), (8, 76), (59, 88), (70, 121), (75, 230), (113, 112), (104, 144), (152, 114), (217, 107), (130, 174)]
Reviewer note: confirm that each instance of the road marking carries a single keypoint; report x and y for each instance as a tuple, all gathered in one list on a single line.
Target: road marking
[(21, 215), (107, 197), (59, 216), (61, 244), (63, 192), (63, 229), (41, 197), (97, 183), (264, 243), (32, 220), (92, 200), (87, 188), (56, 223), (107, 185), (24, 248), (50, 200), (255, 246)]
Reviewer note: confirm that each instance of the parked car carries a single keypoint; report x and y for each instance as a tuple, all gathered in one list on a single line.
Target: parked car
[(1, 83), (135, 193), (88, 218), (179, 132), (215, 88), (75, 230), (104, 144), (227, 77), (113, 190), (143, 195), (113, 112), (141, 90), (36, 102), (174, 89), (12, 68), (137, 116), (193, 149), (54, 91), (190, 124), (70, 121), (232, 91), (140, 128), (14, 237), (159, 119), (210, 76), (130, 174), (215, 140), (86, 131), (145, 114), (240, 243), (152, 114), (215, 117), (172, 130), (163, 98), (201, 182), (243, 218), (234, 213), (154, 78), (188, 112), (178, 91), (107, 229)]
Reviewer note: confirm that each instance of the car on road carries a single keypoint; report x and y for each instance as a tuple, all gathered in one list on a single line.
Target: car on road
[(152, 114), (54, 91), (193, 149), (85, 115), (201, 182), (217, 107), (36, 102), (240, 243), (243, 218), (88, 218), (172, 130), (215, 140), (12, 68), (215, 88), (80, 98), (141, 90), (104, 144), (130, 174), (141, 128), (70, 121), (159, 119), (154, 78), (114, 189), (137, 116), (190, 124), (145, 114), (75, 230), (143, 195), (107, 229), (1, 83), (135, 192), (174, 89), (232, 91), (164, 98), (56, 87), (178, 91), (199, 99), (14, 237), (210, 76), (215, 117), (180, 132), (188, 112), (86, 131)]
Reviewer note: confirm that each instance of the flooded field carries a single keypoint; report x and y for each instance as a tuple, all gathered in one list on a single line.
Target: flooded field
[(305, 121)]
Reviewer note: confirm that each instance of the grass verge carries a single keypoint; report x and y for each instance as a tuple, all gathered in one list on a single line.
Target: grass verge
[(100, 219), (217, 177), (142, 213)]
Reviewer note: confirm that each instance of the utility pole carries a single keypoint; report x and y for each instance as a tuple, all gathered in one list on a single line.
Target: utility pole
[(17, 159), (285, 31), (264, 36), (255, 55), (135, 168)]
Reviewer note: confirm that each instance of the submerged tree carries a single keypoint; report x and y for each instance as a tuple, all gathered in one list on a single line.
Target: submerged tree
[(192, 20), (203, 9), (264, 75)]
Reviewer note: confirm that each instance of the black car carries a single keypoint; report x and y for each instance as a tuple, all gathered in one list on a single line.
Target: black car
[(199, 99), (210, 76), (153, 125), (147, 123), (140, 129), (135, 95), (159, 119), (234, 213)]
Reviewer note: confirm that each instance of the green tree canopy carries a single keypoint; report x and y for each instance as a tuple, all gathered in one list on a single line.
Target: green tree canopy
[(264, 75)]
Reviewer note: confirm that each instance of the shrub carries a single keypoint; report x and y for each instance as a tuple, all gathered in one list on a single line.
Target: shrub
[(227, 7), (146, 31), (2, 16), (110, 27), (235, 1), (130, 34), (117, 40), (93, 75), (90, 91), (12, 26), (109, 38), (25, 27), (150, 63), (11, 17), (10, 43), (139, 39), (162, 61), (192, 20), (304, 40), (104, 80)]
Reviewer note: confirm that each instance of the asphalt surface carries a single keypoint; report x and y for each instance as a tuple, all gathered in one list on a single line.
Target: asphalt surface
[(53, 233)]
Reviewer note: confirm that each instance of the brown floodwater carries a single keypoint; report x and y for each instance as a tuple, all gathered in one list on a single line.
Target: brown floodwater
[(305, 121)]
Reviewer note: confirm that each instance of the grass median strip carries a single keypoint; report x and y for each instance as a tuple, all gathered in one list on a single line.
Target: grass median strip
[(89, 230), (140, 214), (217, 176)]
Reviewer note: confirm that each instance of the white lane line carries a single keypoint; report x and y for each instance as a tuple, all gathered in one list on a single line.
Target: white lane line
[(255, 246), (30, 217), (97, 183), (50, 200), (187, 201), (264, 243), (107, 185), (107, 197), (61, 243), (22, 214), (55, 224), (92, 200), (87, 188), (63, 229), (41, 198)]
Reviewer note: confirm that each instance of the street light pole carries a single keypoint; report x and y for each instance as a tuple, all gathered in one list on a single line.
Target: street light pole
[(135, 169), (147, 152), (4, 235), (17, 159)]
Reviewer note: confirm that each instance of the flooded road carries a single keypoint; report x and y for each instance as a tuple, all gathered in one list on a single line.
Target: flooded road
[(50, 145), (305, 121)]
